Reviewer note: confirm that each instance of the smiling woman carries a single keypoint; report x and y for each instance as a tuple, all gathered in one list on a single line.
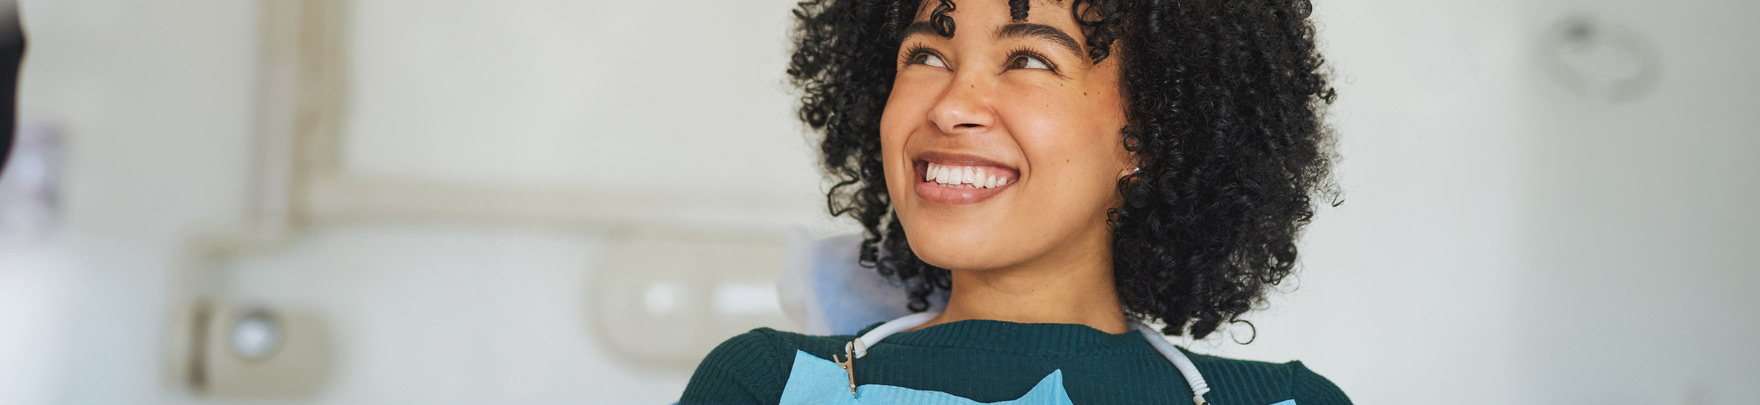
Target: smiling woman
[(1066, 171)]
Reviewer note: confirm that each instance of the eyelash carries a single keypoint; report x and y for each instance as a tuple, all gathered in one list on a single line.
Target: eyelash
[(911, 54), (1025, 52), (916, 50)]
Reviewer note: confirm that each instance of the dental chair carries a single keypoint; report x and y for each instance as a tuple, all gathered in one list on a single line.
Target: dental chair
[(825, 290)]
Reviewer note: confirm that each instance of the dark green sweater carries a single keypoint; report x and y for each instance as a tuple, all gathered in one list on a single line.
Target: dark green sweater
[(990, 361)]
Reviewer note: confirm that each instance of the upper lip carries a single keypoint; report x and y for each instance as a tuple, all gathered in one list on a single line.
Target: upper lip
[(958, 159)]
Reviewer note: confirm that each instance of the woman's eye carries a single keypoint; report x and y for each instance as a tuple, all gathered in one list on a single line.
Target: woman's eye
[(930, 59), (1028, 62)]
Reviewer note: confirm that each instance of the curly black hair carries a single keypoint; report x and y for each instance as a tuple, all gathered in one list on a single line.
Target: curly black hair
[(1225, 103)]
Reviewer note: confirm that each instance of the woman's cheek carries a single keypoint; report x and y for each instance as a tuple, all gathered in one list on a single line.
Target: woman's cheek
[(906, 110)]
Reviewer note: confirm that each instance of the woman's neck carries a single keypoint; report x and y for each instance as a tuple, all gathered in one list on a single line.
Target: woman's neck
[(1079, 290)]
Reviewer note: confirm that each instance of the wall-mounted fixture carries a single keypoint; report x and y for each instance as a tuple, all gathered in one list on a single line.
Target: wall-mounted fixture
[(258, 352), (257, 335), (1601, 60), (666, 298)]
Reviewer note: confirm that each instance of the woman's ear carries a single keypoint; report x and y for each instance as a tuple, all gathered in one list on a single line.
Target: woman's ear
[(1129, 171), (1130, 160), (1129, 164)]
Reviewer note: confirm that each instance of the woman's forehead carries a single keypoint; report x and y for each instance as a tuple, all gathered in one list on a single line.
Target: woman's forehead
[(963, 9), (991, 16)]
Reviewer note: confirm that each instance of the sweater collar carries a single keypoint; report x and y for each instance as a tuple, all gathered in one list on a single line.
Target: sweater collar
[(1025, 338)]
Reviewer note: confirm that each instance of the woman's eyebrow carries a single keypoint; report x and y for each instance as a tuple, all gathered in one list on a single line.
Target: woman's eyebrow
[(1008, 31), (1040, 31)]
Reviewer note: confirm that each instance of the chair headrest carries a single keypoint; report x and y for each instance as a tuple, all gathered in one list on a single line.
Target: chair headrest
[(825, 290)]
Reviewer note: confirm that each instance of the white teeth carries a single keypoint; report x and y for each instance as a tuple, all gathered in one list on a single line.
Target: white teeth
[(962, 176)]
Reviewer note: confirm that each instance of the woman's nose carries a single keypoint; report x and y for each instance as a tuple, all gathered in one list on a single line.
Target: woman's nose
[(964, 107)]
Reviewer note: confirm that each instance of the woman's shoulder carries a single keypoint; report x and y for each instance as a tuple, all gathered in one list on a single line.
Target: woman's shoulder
[(753, 367), (1249, 380)]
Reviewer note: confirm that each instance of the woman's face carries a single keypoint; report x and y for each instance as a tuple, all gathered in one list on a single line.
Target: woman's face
[(1003, 144)]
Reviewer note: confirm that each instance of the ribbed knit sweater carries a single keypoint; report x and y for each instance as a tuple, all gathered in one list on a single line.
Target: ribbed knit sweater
[(992, 361)]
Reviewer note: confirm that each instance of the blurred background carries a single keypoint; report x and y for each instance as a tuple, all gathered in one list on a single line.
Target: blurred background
[(570, 201)]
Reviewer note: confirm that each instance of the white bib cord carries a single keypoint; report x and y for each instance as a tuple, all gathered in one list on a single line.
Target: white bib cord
[(859, 347), (1180, 361)]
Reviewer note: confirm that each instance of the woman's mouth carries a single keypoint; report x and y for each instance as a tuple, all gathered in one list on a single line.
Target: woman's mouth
[(961, 179)]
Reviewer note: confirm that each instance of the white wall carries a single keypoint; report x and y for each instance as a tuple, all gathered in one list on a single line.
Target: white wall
[(614, 96), (1638, 281), (155, 98), (158, 99), (1406, 291), (1504, 238)]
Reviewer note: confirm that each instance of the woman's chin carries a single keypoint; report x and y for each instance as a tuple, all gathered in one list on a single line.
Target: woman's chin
[(963, 255), (970, 237)]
